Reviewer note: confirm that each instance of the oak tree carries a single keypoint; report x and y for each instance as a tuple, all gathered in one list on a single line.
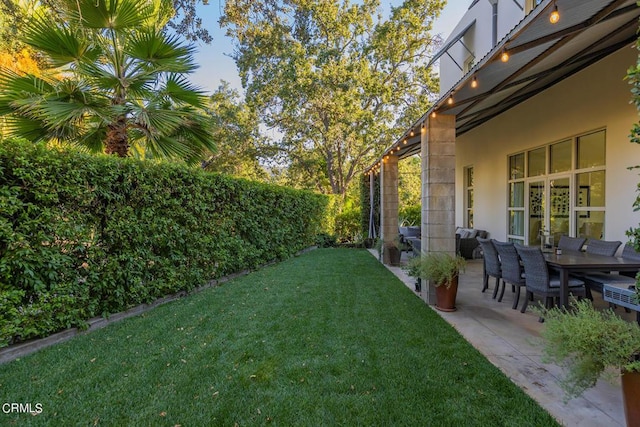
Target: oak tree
[(335, 79)]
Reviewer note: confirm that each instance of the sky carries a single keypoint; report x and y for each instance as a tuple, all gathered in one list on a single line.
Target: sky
[(216, 65)]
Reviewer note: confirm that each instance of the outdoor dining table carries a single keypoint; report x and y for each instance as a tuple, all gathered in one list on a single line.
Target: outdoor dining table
[(576, 261)]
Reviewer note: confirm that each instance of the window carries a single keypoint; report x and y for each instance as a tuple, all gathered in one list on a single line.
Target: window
[(516, 166), (516, 209), (537, 161), (468, 63), (591, 150), (560, 157), (531, 4), (468, 191), (561, 190)]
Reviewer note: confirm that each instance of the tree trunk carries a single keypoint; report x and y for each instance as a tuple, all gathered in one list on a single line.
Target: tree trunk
[(117, 141)]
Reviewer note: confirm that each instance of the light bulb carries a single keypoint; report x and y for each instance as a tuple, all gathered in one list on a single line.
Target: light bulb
[(474, 82), (504, 57), (555, 15)]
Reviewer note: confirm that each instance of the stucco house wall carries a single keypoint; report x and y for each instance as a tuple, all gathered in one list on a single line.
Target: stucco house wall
[(478, 39), (595, 98)]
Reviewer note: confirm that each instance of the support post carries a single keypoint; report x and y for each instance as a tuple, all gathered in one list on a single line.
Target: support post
[(437, 147), (388, 205)]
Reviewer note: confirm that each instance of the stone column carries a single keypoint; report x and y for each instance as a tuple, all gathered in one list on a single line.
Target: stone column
[(438, 188), (388, 202)]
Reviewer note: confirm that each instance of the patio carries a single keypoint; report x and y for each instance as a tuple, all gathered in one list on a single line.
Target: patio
[(510, 340)]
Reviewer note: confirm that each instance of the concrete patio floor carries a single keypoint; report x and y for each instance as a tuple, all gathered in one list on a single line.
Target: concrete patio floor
[(511, 341)]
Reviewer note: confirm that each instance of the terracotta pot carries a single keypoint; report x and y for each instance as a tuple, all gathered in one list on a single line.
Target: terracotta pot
[(631, 397), (446, 296), (391, 256)]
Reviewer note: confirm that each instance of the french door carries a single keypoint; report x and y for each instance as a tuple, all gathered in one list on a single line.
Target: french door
[(549, 207)]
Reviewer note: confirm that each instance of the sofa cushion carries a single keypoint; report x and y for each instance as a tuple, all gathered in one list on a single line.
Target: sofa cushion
[(467, 233)]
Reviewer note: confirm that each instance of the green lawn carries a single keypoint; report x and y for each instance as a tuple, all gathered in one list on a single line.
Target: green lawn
[(328, 338)]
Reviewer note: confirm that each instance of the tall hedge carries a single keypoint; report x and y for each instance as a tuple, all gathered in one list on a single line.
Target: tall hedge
[(82, 236)]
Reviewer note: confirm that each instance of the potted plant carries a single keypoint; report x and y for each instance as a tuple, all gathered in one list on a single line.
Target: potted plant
[(588, 341), (442, 269), (391, 253)]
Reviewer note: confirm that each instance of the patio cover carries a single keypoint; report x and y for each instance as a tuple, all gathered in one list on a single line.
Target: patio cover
[(541, 54)]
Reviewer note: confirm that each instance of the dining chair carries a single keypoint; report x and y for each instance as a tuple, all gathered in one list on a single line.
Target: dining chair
[(512, 272), (539, 281), (630, 252), (598, 247), (596, 280), (567, 243), (491, 265), (602, 247)]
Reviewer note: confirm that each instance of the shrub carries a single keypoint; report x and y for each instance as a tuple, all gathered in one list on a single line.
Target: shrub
[(347, 225), (326, 240), (587, 341), (438, 267), (410, 215), (82, 235)]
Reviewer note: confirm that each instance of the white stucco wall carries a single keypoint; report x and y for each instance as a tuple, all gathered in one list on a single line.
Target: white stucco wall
[(478, 39), (595, 98)]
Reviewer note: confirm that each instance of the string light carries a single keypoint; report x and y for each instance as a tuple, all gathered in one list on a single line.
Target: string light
[(450, 100), (433, 114), (474, 82), (504, 57)]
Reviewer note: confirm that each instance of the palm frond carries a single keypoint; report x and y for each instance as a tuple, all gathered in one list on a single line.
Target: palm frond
[(197, 128), (110, 14), (161, 52), (94, 137), (18, 94), (155, 120), (179, 89), (173, 132), (30, 129), (99, 75), (160, 146), (61, 44), (13, 84)]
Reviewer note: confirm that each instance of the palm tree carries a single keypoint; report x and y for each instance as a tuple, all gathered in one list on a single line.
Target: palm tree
[(115, 82)]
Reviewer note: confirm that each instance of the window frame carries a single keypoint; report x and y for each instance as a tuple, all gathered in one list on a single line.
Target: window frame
[(548, 176), (469, 175)]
